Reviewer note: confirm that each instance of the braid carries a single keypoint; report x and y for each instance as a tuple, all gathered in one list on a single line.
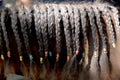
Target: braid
[(84, 30), (57, 28), (28, 24), (24, 37), (100, 27), (71, 14), (28, 14), (104, 64), (94, 60), (77, 29), (44, 26), (93, 28), (51, 26), (51, 20), (24, 29), (0, 35), (5, 34), (115, 18), (14, 20), (83, 22), (1, 38), (107, 19), (37, 17), (65, 18)]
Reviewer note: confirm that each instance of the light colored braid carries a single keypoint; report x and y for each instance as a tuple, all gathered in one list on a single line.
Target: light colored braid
[(24, 30), (29, 15), (107, 19), (43, 25), (104, 62), (91, 16), (100, 28), (65, 19), (1, 36), (83, 15), (77, 29), (72, 23), (51, 20), (94, 65), (4, 28), (22, 18), (37, 19), (57, 27), (115, 18), (14, 20), (51, 26)]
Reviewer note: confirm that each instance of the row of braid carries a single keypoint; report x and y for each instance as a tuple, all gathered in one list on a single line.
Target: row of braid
[(107, 19), (65, 19), (74, 21)]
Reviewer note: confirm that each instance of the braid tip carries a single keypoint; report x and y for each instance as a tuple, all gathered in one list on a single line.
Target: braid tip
[(31, 57), (46, 53), (57, 57), (86, 62), (41, 60), (95, 54), (68, 58), (77, 52), (83, 55), (8, 54), (104, 50), (2, 57), (21, 58), (50, 53), (113, 45)]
